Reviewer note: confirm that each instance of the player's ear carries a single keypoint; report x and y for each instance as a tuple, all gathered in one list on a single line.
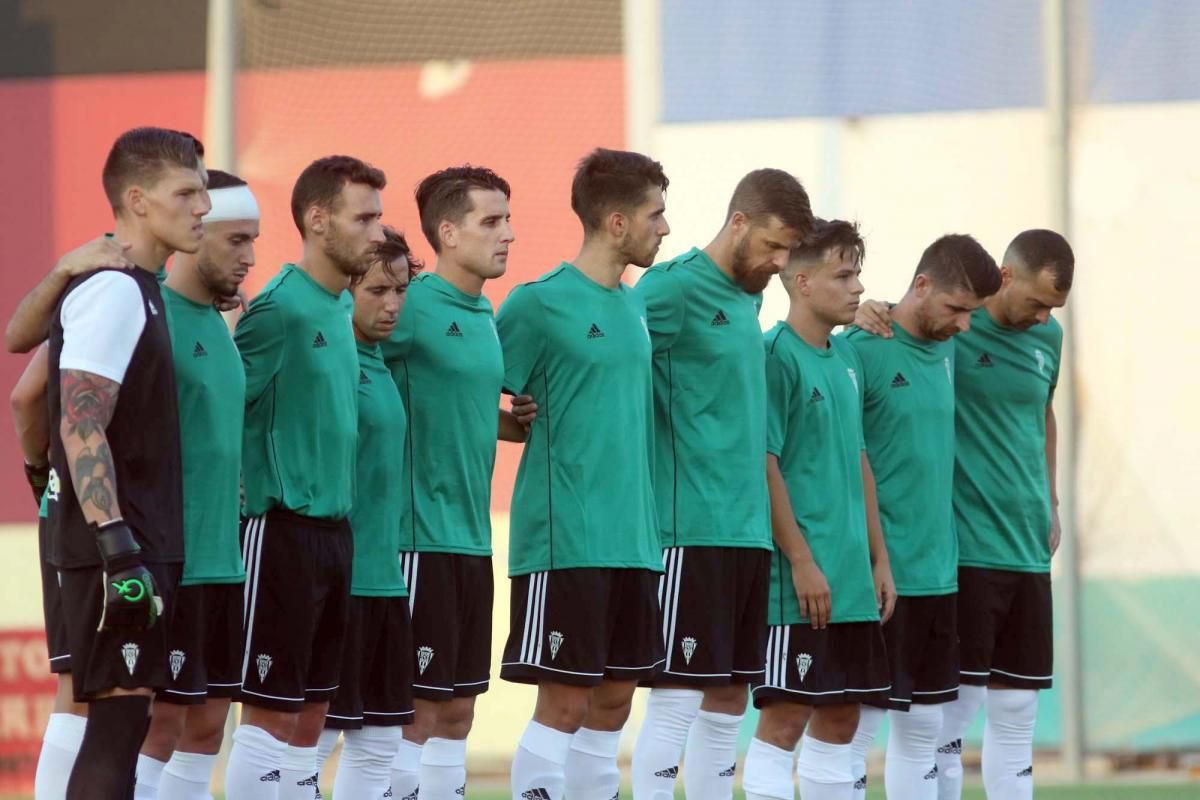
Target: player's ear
[(135, 200), (923, 285), (1006, 275), (315, 219), (738, 223), (617, 224), (448, 233)]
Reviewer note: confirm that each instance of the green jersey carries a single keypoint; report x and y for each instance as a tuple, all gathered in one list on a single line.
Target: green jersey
[(378, 507), (1005, 380), (446, 360), (814, 428), (583, 496), (908, 423), (211, 386), (301, 363), (710, 400)]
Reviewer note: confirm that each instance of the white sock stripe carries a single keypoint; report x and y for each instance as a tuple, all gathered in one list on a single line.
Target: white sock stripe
[(260, 530)]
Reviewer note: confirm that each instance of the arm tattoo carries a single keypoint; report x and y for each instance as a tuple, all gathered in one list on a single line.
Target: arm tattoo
[(88, 403)]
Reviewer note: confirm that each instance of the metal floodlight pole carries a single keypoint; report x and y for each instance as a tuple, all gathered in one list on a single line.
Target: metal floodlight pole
[(1056, 60), (219, 89)]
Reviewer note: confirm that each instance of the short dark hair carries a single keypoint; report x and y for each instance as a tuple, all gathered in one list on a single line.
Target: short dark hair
[(218, 179), (1039, 249), (612, 179), (141, 154), (836, 235), (957, 261), (321, 183), (446, 194), (766, 193), (394, 246)]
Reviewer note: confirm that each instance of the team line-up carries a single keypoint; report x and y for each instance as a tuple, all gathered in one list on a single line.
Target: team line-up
[(296, 517)]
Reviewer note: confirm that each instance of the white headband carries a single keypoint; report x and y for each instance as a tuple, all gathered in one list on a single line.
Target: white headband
[(231, 202)]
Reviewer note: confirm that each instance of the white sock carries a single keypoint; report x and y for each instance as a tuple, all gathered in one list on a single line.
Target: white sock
[(443, 769), (591, 770), (669, 715), (149, 772), (768, 772), (869, 720), (187, 777), (910, 771), (1008, 743), (60, 745), (298, 773), (824, 771), (406, 771), (326, 744), (538, 764), (957, 716), (254, 764), (365, 768), (711, 759)]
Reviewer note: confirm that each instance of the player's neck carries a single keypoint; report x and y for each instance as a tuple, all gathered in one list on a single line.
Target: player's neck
[(454, 274), (808, 326), (184, 279), (601, 263), (720, 252), (145, 250), (995, 309), (904, 314), (322, 270)]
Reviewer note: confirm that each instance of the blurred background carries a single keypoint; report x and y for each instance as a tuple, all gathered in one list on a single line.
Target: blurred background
[(914, 118)]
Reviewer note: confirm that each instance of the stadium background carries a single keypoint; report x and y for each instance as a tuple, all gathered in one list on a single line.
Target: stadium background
[(915, 119)]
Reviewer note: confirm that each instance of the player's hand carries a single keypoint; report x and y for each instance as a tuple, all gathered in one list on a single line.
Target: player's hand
[(874, 317), (812, 590), (38, 476), (885, 590), (524, 409), (231, 303), (99, 253), (1055, 530), (130, 600)]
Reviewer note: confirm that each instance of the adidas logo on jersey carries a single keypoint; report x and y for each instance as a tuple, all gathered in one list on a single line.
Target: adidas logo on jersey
[(362, 377), (319, 340), (198, 351), (816, 396), (670, 772), (720, 318), (932, 774), (453, 330), (536, 794), (899, 381), (270, 777), (954, 747), (595, 332), (728, 773), (984, 361), (1026, 773)]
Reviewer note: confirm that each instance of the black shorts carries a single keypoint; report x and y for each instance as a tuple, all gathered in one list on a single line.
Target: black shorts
[(580, 626), (57, 646), (297, 607), (922, 648), (714, 606), (1006, 627), (843, 663), (103, 660), (450, 598), (204, 644), (376, 682)]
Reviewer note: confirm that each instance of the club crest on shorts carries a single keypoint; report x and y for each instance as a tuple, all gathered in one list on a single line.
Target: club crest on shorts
[(803, 662), (688, 645), (556, 640), (177, 658), (263, 662), (424, 656), (130, 652)]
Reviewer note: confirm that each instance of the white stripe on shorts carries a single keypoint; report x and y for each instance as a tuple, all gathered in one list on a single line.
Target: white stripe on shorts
[(668, 598), (252, 558), (535, 619)]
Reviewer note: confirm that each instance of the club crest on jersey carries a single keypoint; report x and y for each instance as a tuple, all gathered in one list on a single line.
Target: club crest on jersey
[(130, 652), (645, 327), (803, 662), (263, 662), (949, 371), (853, 377), (177, 658), (424, 656), (688, 645), (556, 640), (153, 310), (53, 486), (1041, 361)]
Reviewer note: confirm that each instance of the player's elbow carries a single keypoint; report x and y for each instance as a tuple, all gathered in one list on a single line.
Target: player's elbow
[(24, 400)]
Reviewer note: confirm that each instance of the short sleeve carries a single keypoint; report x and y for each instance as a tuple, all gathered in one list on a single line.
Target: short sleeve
[(519, 329), (259, 339), (397, 346), (102, 320), (663, 295), (781, 387), (1057, 365)]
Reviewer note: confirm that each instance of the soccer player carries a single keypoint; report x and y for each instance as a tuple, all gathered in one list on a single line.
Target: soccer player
[(375, 693), (298, 456), (713, 515), (1005, 510), (205, 639), (114, 498), (830, 578), (446, 360), (584, 555), (908, 424)]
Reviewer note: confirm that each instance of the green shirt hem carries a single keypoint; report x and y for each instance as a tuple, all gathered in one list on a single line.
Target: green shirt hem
[(670, 540), (449, 549), (356, 592), (792, 619), (945, 588), (198, 580), (516, 571), (965, 562)]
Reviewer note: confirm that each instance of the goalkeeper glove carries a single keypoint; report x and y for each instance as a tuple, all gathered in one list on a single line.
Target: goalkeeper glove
[(38, 477), (130, 602)]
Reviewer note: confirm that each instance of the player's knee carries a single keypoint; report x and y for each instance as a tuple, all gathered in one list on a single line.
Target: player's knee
[(166, 728), (280, 724), (455, 719), (202, 736), (730, 699), (782, 724), (836, 724), (563, 708)]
